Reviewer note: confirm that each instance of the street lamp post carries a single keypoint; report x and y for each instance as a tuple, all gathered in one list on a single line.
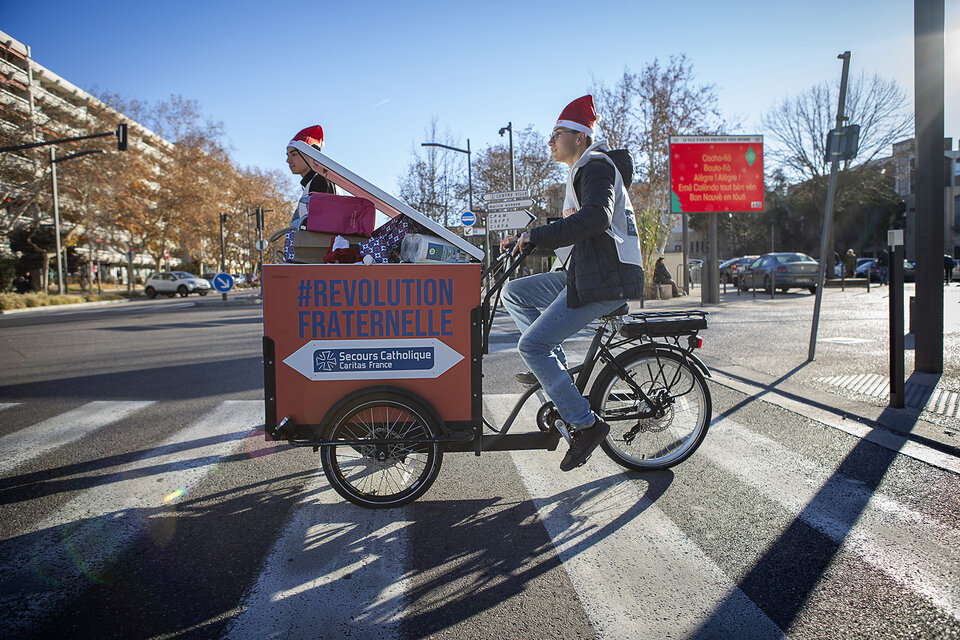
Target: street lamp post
[(469, 170), (61, 260), (513, 175)]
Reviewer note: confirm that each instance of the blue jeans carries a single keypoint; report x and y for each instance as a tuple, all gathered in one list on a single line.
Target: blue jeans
[(538, 306)]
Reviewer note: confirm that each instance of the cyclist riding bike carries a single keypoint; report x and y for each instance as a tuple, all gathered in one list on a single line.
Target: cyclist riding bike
[(601, 271)]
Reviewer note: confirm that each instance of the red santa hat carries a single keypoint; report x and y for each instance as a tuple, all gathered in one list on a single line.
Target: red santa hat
[(313, 136), (579, 115)]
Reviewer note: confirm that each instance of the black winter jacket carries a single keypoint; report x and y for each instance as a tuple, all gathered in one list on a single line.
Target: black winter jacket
[(594, 271)]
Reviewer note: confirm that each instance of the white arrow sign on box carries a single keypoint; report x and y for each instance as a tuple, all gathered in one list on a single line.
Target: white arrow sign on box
[(507, 195), (504, 220), (372, 359), (508, 205)]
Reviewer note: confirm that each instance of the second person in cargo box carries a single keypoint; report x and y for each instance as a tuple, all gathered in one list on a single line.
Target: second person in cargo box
[(602, 272), (310, 180)]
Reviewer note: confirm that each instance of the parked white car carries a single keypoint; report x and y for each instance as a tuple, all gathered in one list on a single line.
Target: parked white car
[(172, 283)]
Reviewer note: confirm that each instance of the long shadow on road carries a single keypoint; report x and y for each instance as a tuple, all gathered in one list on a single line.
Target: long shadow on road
[(783, 579), (177, 382)]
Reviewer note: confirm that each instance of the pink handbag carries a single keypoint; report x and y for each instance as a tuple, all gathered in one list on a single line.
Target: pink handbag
[(344, 215)]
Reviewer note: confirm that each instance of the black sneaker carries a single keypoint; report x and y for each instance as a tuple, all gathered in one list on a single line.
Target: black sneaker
[(584, 442)]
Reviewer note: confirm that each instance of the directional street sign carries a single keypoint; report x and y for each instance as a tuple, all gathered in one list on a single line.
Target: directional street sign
[(507, 195), (506, 205), (504, 220), (473, 231), (373, 359), (223, 282), (468, 219)]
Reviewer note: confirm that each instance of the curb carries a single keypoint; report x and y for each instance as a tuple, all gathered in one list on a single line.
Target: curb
[(941, 455)]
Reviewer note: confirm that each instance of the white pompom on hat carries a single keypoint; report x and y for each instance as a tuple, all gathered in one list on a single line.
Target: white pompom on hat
[(580, 115), (313, 136)]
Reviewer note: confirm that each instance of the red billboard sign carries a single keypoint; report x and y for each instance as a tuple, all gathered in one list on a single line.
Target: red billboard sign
[(716, 174)]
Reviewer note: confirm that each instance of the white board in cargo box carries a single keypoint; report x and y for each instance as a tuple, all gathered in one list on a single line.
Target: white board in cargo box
[(385, 203)]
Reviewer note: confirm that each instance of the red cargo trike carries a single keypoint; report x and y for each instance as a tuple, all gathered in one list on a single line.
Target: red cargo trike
[(380, 367)]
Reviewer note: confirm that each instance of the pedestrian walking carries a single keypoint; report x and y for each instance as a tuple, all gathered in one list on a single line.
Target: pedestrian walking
[(883, 262), (850, 263), (948, 265)]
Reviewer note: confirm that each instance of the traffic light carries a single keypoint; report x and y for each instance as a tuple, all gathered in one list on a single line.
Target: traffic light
[(259, 217), (121, 137)]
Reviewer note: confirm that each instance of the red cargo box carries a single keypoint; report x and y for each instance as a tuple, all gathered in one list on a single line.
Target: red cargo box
[(336, 329)]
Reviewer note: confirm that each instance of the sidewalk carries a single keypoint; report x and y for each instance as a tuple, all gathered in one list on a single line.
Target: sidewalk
[(760, 346)]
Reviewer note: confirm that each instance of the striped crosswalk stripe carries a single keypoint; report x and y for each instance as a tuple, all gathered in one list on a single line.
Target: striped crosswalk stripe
[(348, 579), (883, 532), (43, 437), (52, 558), (616, 567)]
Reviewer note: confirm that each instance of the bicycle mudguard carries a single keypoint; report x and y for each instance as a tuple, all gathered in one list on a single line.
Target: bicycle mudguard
[(662, 346)]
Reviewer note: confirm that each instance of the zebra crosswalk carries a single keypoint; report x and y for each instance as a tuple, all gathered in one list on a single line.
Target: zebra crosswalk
[(53, 557), (645, 555)]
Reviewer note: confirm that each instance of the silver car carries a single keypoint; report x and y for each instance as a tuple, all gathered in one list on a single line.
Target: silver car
[(781, 270), (172, 283)]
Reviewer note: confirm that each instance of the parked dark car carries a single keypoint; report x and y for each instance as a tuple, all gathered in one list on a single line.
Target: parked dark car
[(731, 268), (868, 266), (909, 271), (782, 270)]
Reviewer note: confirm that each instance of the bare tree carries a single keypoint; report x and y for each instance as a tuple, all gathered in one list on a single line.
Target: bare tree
[(642, 110), (797, 126), (435, 181), (533, 166), (640, 113)]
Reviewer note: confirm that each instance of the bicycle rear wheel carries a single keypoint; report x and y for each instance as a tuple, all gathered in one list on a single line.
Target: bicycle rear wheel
[(382, 475), (660, 434)]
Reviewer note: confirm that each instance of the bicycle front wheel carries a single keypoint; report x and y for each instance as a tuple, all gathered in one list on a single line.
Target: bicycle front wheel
[(662, 430), (382, 474)]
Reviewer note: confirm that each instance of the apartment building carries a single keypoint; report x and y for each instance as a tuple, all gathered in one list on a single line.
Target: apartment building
[(904, 158), (36, 104)]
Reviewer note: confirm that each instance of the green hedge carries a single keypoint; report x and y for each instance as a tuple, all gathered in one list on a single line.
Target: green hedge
[(26, 300)]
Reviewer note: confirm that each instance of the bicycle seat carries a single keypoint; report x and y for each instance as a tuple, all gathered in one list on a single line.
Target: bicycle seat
[(622, 310)]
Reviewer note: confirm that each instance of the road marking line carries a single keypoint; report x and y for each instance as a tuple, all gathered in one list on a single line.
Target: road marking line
[(53, 559), (635, 571), (19, 447), (913, 549), (7, 405), (337, 570), (878, 435)]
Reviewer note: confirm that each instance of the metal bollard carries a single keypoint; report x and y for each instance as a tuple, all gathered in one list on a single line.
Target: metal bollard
[(773, 282)]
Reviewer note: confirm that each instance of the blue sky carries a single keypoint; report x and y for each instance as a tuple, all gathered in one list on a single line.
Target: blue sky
[(374, 73)]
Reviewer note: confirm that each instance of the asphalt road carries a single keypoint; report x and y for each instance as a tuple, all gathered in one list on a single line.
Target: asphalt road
[(138, 499)]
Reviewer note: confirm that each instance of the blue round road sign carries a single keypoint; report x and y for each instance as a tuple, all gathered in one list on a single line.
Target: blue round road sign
[(468, 219), (223, 282)]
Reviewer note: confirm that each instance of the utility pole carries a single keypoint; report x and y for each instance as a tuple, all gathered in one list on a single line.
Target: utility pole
[(249, 248), (928, 88), (828, 213), (223, 266)]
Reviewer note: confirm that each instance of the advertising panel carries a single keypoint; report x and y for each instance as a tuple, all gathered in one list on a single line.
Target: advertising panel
[(340, 328), (716, 174)]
